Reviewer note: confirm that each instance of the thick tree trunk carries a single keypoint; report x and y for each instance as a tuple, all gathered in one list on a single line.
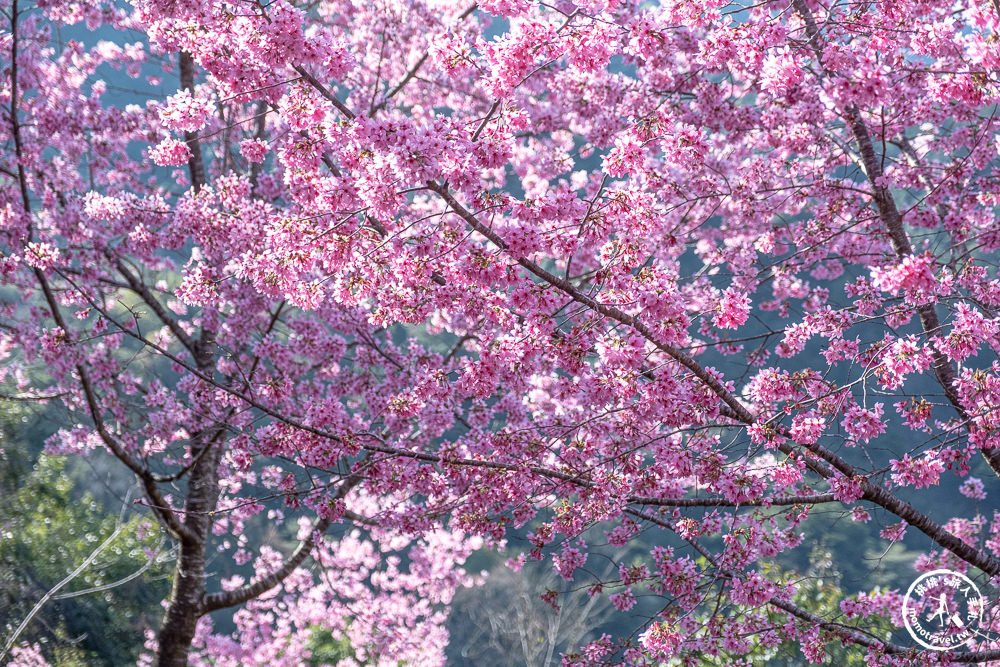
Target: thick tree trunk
[(184, 608), (187, 596)]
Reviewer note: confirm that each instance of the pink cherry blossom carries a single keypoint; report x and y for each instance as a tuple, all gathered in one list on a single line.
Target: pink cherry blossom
[(253, 150), (864, 424), (185, 113), (780, 72), (918, 473), (973, 488), (807, 428), (733, 309), (170, 152)]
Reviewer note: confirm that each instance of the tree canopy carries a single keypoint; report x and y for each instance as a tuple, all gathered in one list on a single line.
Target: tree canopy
[(659, 284)]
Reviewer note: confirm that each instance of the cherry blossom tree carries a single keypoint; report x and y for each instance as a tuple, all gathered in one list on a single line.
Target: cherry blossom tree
[(418, 274)]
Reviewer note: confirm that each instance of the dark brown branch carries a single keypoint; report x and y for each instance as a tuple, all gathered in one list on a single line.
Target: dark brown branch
[(22, 177), (260, 127), (486, 120), (229, 413), (156, 500), (851, 635), (160, 507), (871, 491), (846, 633), (611, 312), (892, 220), (402, 84), (195, 460), (216, 601), (413, 71)]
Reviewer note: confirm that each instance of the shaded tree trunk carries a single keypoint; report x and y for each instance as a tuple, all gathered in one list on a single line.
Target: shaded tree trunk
[(187, 596), (186, 603)]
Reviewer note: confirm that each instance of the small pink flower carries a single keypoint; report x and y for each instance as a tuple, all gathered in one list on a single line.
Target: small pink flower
[(970, 330), (846, 489), (895, 532), (915, 274), (41, 255), (864, 424), (734, 308), (625, 157), (622, 601), (661, 639), (253, 150), (185, 113), (170, 152), (973, 488), (807, 428), (753, 590), (781, 72), (506, 8), (917, 473), (568, 561), (28, 655)]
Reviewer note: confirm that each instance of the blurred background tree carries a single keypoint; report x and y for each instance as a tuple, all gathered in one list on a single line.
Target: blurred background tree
[(48, 528)]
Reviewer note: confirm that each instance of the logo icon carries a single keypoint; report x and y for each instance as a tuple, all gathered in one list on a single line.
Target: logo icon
[(941, 608)]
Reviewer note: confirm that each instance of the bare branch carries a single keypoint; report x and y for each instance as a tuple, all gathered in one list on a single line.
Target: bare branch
[(892, 220), (140, 288)]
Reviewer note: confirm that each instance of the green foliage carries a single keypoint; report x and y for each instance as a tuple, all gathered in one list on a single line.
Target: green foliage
[(46, 532), (326, 649)]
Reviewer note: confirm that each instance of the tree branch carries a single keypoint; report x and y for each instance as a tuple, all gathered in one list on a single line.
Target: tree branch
[(156, 500), (215, 601), (722, 502), (741, 414), (413, 70), (160, 508), (324, 91)]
